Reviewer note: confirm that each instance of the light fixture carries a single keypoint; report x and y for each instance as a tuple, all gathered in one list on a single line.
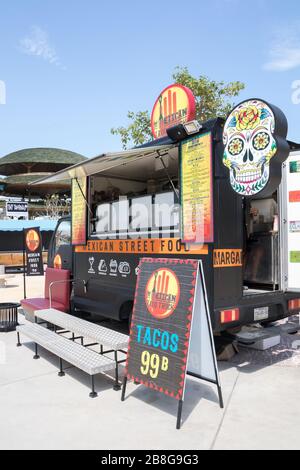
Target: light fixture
[(182, 131), (192, 127)]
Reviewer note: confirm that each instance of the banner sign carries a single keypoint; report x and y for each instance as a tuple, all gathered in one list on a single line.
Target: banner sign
[(17, 209), (161, 324), (170, 333), (255, 144), (33, 250), (175, 105), (197, 190), (160, 246), (79, 211)]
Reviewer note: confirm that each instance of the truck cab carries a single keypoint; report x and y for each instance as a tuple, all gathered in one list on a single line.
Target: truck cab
[(60, 252)]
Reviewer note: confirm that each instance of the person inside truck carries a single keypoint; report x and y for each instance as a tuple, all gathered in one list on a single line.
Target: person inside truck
[(259, 211)]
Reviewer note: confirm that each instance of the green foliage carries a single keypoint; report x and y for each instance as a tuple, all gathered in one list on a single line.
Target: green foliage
[(137, 132), (213, 99)]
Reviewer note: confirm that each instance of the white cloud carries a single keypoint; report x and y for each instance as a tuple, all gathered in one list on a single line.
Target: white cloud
[(284, 53), (37, 44), (283, 58), (2, 92)]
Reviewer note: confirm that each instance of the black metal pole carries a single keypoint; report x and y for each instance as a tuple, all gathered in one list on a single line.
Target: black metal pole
[(19, 342), (220, 396), (124, 388), (36, 356), (61, 372), (93, 394), (117, 385), (179, 413), (24, 274)]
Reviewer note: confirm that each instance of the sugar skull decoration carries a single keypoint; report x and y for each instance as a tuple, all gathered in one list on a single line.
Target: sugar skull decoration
[(255, 144)]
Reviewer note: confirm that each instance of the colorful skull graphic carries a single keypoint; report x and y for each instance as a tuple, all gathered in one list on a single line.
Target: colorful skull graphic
[(249, 146)]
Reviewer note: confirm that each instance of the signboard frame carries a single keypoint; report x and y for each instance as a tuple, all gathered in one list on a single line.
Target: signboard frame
[(191, 319), (210, 237), (37, 253), (267, 127)]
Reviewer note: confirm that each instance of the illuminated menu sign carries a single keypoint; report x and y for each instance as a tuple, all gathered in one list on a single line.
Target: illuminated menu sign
[(79, 211), (196, 190), (161, 324)]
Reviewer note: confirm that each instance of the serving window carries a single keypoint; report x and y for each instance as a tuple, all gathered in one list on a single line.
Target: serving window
[(150, 216), (136, 199), (166, 213), (102, 218), (141, 215), (120, 215)]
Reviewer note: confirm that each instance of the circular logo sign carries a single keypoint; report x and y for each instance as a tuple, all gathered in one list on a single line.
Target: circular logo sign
[(175, 105), (32, 240), (57, 263), (162, 293)]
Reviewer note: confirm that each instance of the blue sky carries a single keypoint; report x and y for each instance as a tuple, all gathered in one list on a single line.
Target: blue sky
[(72, 69)]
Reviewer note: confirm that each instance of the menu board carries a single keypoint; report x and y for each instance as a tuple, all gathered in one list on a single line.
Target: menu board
[(171, 334), (79, 211), (196, 190), (161, 324), (34, 254)]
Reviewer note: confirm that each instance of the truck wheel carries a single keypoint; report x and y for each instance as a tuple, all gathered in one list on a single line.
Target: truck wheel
[(125, 312)]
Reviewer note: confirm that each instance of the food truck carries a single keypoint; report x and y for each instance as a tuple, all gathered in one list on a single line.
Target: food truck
[(217, 191)]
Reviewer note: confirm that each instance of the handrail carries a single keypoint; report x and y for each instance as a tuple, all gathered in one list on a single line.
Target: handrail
[(61, 282)]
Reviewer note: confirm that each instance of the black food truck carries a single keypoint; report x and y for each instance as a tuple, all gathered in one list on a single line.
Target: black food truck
[(210, 191)]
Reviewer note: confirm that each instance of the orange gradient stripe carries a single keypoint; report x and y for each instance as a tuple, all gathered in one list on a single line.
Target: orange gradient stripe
[(167, 246)]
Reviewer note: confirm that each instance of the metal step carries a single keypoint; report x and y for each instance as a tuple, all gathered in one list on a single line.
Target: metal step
[(252, 334)]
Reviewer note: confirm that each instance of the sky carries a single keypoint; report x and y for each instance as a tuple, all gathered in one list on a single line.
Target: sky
[(70, 70)]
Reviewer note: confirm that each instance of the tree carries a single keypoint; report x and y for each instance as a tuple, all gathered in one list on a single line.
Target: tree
[(213, 99), (55, 207), (137, 132)]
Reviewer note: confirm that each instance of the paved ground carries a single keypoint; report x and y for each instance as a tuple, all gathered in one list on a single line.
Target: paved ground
[(39, 410)]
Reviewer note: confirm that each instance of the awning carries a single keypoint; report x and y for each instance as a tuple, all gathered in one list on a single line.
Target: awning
[(18, 225), (106, 162)]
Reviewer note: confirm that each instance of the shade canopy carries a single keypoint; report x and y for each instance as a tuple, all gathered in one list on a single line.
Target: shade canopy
[(38, 160), (108, 162), (20, 185), (19, 225)]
